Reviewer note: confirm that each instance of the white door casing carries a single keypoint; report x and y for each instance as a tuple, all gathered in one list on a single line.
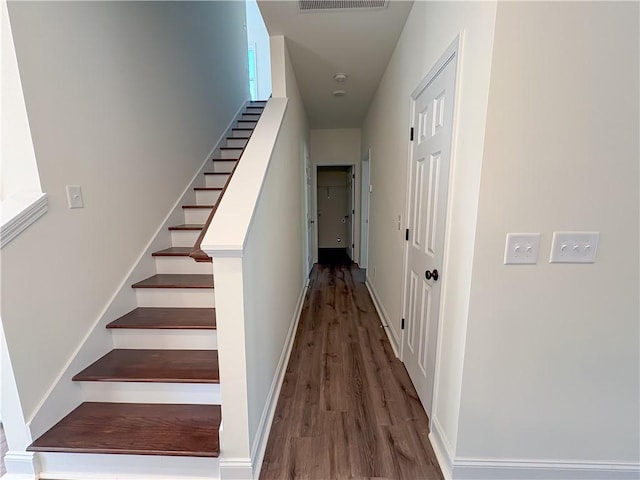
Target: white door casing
[(432, 113), (350, 211), (309, 213), (364, 211)]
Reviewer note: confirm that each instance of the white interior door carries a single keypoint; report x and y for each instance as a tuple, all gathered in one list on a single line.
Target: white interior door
[(432, 118), (364, 212)]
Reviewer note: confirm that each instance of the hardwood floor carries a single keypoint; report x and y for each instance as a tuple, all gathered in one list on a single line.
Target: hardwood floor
[(347, 408)]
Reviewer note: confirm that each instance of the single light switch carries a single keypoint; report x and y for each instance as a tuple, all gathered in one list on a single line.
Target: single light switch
[(522, 248), (74, 196), (574, 247)]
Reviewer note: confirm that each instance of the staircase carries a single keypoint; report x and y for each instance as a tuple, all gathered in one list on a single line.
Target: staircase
[(165, 348)]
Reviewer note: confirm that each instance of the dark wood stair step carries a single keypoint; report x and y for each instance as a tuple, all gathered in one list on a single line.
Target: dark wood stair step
[(197, 206), (167, 318), (198, 189), (157, 366), (257, 103), (245, 136), (177, 280), (187, 226), (136, 429), (173, 252)]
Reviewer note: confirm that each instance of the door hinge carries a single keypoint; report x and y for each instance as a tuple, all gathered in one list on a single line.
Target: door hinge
[(353, 175), (406, 234), (353, 246), (402, 325), (353, 212), (411, 136)]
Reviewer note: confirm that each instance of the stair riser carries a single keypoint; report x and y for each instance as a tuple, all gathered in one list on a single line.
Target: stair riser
[(165, 339), (139, 392), (246, 124), (196, 215), (239, 133), (175, 297), (181, 265), (223, 167), (257, 110), (184, 238), (230, 154), (217, 181), (252, 117), (237, 142), (86, 466), (207, 197)]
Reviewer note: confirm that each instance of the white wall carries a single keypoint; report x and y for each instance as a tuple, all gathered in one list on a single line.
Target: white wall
[(125, 99), (340, 146), (18, 161), (258, 36), (430, 29), (552, 364)]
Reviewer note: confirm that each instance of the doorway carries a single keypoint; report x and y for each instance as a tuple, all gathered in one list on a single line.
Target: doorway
[(432, 117), (335, 210)]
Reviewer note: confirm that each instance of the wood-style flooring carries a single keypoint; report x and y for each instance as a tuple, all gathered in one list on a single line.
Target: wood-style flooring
[(347, 408)]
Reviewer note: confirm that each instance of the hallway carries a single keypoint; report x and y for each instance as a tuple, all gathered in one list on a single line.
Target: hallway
[(347, 408)]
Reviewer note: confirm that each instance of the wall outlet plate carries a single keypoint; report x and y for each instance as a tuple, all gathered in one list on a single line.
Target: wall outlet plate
[(522, 249), (574, 247), (74, 196)]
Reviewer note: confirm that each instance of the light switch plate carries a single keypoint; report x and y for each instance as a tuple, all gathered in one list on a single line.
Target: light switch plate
[(74, 196), (522, 248), (574, 247)]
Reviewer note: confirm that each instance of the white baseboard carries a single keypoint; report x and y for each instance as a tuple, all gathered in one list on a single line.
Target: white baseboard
[(441, 447), (383, 316), (22, 465), (513, 469), (236, 469), (264, 427)]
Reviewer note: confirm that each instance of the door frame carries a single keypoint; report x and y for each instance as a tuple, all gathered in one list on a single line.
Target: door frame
[(452, 53), (314, 212), (365, 206)]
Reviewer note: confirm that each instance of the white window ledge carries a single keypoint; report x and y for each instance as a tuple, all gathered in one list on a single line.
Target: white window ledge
[(18, 212)]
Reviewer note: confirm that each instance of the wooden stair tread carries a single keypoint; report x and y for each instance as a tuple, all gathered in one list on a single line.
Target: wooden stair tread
[(167, 318), (173, 252), (197, 206), (187, 226), (225, 160), (208, 188), (176, 280), (244, 137), (158, 366), (217, 173), (136, 429), (230, 148)]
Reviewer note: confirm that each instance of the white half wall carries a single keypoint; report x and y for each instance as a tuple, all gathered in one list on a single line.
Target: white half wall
[(431, 27), (552, 364), (256, 240), (125, 99)]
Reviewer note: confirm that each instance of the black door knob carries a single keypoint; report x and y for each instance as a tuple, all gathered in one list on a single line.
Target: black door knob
[(429, 275)]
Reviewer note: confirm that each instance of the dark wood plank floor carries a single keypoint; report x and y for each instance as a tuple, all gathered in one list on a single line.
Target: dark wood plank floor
[(347, 408)]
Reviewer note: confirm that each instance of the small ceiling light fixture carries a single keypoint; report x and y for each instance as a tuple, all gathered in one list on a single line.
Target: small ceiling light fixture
[(339, 93), (340, 77)]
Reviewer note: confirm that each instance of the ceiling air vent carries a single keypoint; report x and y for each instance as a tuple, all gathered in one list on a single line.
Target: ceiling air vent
[(315, 5)]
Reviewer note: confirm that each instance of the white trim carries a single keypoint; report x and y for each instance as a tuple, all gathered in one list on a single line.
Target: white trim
[(383, 316), (441, 447), (264, 427), (24, 464), (236, 469), (514, 469), (19, 213)]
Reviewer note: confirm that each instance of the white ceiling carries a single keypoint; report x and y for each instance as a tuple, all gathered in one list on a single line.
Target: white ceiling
[(321, 43)]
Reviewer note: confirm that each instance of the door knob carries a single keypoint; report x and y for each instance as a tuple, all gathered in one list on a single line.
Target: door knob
[(429, 275)]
